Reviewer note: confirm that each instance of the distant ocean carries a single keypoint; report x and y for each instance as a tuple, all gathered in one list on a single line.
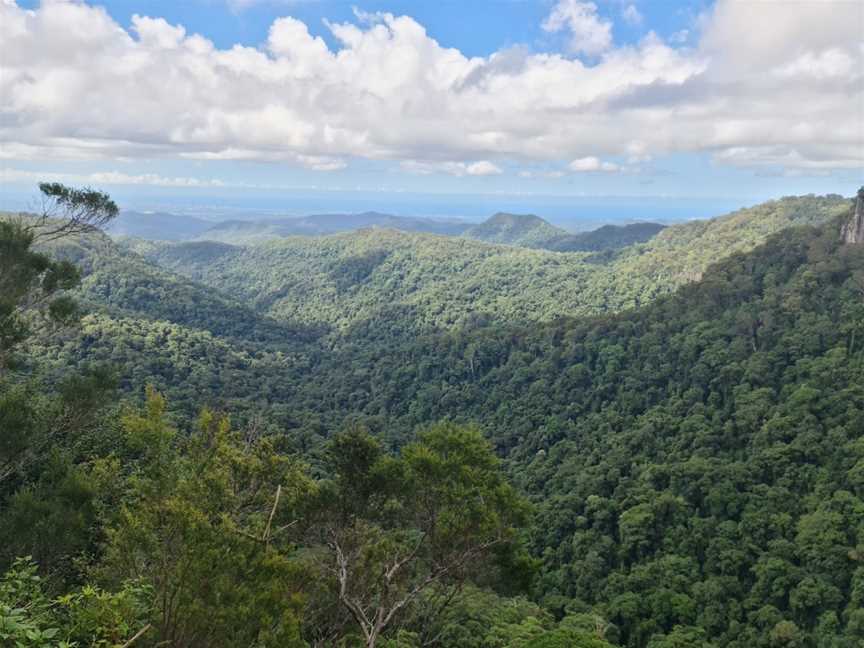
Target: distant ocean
[(575, 213)]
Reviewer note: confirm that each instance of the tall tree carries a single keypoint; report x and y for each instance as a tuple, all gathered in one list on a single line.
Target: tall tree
[(393, 528), (31, 283), (33, 297), (203, 526)]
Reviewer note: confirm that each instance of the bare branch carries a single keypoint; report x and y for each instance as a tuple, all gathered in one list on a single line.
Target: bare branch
[(266, 537), (390, 573), (136, 636)]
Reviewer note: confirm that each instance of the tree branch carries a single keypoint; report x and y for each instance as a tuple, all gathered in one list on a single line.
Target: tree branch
[(136, 636)]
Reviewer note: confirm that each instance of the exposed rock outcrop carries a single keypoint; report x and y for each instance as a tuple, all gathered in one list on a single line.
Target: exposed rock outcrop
[(853, 230)]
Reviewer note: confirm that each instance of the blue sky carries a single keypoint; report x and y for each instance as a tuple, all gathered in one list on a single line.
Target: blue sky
[(514, 98), (477, 28)]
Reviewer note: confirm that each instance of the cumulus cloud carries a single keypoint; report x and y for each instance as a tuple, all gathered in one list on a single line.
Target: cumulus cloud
[(483, 168), (589, 34), (479, 168), (761, 87), (631, 15), (106, 178), (551, 175), (592, 164), (679, 37)]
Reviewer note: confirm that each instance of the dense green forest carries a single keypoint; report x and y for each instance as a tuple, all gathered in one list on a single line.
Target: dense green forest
[(607, 237), (384, 282), (435, 441), (510, 229), (527, 230)]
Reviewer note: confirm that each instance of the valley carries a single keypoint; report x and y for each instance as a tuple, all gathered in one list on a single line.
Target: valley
[(488, 324), (683, 414)]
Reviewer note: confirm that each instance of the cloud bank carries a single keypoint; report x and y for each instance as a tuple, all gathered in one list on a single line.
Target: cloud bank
[(107, 178), (764, 84)]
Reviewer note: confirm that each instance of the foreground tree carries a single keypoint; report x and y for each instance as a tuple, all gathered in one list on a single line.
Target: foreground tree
[(203, 527), (66, 211), (32, 285), (392, 529), (39, 485), (33, 298)]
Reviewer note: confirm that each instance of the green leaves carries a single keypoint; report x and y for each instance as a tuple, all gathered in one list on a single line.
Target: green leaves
[(30, 281), (202, 528), (395, 528), (695, 466), (81, 209), (87, 617), (462, 496)]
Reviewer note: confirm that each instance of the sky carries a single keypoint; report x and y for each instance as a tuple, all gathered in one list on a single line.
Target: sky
[(500, 100)]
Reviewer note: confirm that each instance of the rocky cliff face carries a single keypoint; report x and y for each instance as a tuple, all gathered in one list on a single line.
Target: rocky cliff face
[(853, 231)]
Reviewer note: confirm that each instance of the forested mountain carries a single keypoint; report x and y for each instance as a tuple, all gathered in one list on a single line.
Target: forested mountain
[(693, 467), (346, 280), (527, 230), (696, 464), (607, 237), (688, 248), (382, 280), (158, 226), (243, 232), (160, 328), (307, 295), (510, 229)]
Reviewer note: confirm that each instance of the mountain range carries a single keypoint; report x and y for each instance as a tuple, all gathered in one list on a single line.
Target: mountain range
[(524, 230), (528, 230), (178, 227)]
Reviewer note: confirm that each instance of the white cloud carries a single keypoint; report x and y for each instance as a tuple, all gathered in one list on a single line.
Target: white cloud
[(631, 15), (550, 175), (592, 164), (480, 168), (11, 175), (313, 162), (830, 63), (679, 37), (483, 168), (637, 151), (589, 34), (757, 86), (786, 157)]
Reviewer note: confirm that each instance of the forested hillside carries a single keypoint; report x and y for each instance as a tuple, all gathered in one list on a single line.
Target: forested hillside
[(607, 237), (347, 280), (696, 464), (381, 280), (686, 473), (308, 296), (159, 226), (155, 327), (244, 232), (527, 230)]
